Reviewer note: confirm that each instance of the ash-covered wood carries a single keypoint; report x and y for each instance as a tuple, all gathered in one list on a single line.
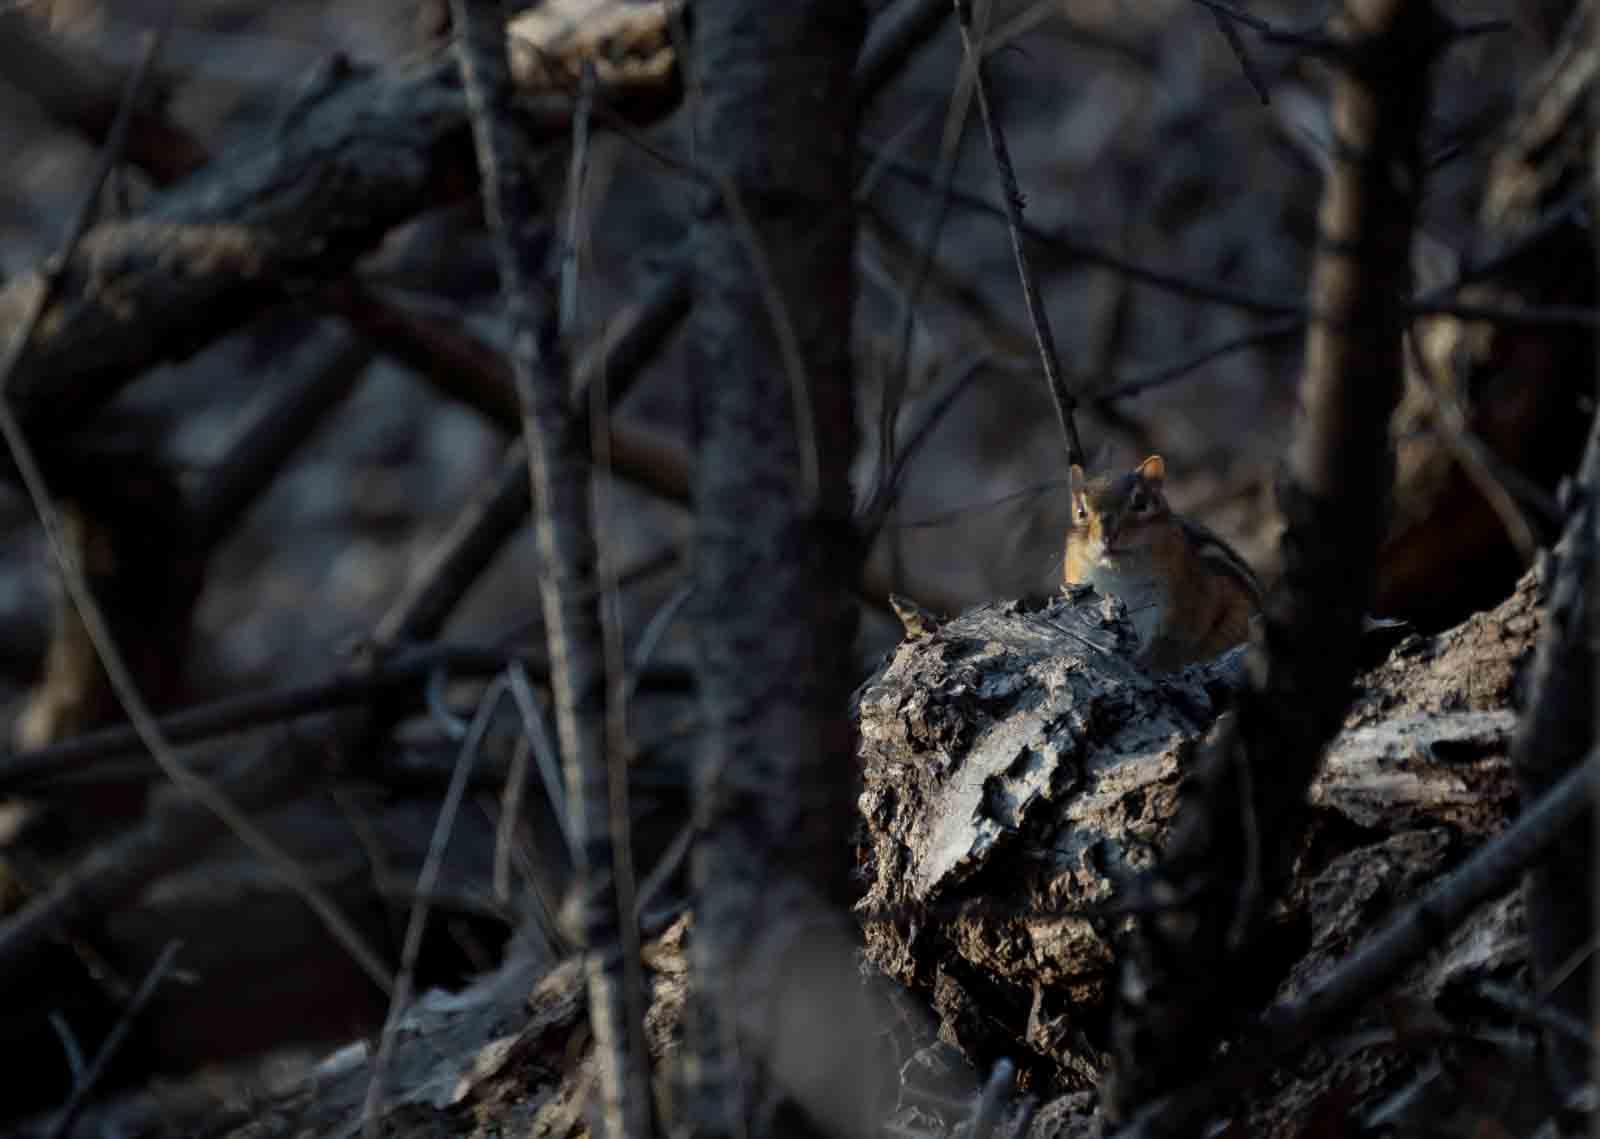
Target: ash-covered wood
[(1020, 770)]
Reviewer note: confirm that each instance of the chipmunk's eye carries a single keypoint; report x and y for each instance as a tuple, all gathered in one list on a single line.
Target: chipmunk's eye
[(1083, 514)]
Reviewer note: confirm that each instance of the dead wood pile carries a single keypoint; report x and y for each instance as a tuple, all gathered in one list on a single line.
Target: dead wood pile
[(1019, 769)]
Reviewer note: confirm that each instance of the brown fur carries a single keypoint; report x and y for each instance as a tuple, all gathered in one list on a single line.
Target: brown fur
[(1187, 591)]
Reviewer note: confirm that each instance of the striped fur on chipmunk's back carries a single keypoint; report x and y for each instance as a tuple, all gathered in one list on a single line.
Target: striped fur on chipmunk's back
[(1188, 594)]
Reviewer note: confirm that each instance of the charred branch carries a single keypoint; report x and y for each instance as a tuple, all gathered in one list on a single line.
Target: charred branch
[(1244, 811)]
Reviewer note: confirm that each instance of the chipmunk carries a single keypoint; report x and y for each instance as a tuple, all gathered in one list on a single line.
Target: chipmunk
[(1188, 594)]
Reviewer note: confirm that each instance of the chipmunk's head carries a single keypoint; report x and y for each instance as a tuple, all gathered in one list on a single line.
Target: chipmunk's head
[(1117, 514)]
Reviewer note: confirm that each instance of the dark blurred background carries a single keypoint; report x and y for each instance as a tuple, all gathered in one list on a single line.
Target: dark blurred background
[(1137, 139)]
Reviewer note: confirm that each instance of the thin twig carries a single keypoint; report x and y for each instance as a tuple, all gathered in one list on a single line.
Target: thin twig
[(237, 713), (1531, 316), (1012, 197), (69, 1045), (616, 747), (1472, 456), (1435, 301), (560, 471), (1567, 209), (867, 183), (544, 751), (1279, 329), (666, 866), (895, 380), (1539, 1012), (1067, 247), (468, 370), (110, 153), (567, 319), (1236, 45), (653, 633), (322, 378), (89, 612), (74, 85), (956, 513), (1311, 39), (934, 409), (649, 641), (895, 34), (505, 832), (427, 879), (113, 1041)]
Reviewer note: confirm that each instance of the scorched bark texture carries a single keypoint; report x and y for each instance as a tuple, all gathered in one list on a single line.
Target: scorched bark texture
[(775, 556), (1021, 771)]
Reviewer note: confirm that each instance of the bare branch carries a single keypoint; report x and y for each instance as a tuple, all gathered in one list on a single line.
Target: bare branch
[(1067, 247), (257, 453), (897, 32), (1473, 457), (1236, 45), (898, 373), (1279, 329), (1237, 828), (390, 678), (108, 1049), (555, 435), (416, 924), (1065, 404)]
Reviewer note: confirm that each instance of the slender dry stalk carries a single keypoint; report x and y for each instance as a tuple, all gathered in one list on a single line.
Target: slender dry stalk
[(85, 1085), (417, 923), (898, 374), (555, 434), (1060, 395)]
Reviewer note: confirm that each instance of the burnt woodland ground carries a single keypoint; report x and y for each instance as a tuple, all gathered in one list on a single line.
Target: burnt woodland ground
[(265, 434)]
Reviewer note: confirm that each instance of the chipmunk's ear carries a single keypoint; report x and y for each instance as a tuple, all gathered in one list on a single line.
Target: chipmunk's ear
[(1076, 480), (1153, 470)]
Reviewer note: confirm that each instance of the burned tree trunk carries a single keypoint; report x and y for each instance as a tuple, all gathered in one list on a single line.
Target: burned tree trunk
[(775, 555)]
